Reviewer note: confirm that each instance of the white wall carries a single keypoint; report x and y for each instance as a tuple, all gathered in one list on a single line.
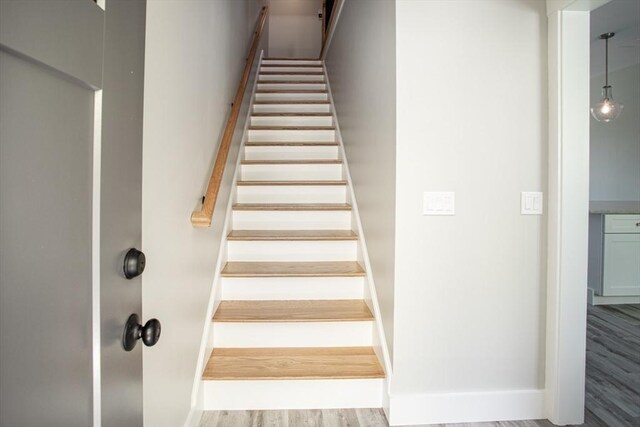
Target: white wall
[(294, 28), (615, 147), (470, 288), (361, 68), (195, 53)]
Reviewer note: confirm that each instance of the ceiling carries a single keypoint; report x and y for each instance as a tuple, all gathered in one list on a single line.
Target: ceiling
[(623, 18)]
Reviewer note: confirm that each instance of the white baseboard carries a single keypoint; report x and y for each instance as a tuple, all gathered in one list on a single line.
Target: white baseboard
[(466, 407), (600, 300), (193, 419)]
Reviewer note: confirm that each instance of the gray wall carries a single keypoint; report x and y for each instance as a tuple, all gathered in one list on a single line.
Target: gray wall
[(362, 73), (295, 30), (472, 118), (615, 147), (195, 54)]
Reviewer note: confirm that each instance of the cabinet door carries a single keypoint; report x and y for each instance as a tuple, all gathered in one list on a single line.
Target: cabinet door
[(621, 265)]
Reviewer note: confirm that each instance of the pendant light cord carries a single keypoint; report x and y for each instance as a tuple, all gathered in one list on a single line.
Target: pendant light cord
[(606, 62)]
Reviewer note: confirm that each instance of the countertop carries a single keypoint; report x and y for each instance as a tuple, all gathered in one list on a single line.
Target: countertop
[(623, 207)]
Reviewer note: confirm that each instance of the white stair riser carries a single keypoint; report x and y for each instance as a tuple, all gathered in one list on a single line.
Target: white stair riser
[(291, 96), (291, 152), (296, 394), (292, 194), (292, 86), (292, 288), (291, 251), (291, 121), (291, 108), (305, 77), (292, 69), (292, 220), (293, 172), (291, 334), (292, 62), (292, 135)]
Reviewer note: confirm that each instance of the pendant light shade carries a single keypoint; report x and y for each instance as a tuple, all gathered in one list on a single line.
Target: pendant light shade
[(606, 110)]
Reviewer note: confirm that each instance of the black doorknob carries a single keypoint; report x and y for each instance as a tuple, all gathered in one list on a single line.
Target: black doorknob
[(134, 262), (133, 331)]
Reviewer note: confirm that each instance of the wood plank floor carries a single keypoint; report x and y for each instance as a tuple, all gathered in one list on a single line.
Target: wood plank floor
[(613, 364), (612, 386)]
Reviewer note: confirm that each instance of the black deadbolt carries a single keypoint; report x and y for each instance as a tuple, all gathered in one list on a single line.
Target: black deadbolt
[(133, 331), (134, 262)]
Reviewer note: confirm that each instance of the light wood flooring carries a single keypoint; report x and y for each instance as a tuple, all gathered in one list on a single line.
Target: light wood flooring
[(293, 311), (293, 363), (612, 385)]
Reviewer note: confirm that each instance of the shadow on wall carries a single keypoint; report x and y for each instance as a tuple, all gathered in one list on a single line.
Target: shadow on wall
[(295, 30)]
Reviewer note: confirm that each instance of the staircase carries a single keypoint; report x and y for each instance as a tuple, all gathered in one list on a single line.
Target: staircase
[(294, 326)]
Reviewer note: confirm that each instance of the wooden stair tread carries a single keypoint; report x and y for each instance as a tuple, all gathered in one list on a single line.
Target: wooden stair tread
[(293, 311), (310, 101), (290, 59), (293, 269), (292, 82), (291, 207), (293, 364), (291, 91), (289, 183), (293, 114), (305, 128), (289, 144), (292, 73), (290, 65), (291, 162), (290, 127), (292, 235)]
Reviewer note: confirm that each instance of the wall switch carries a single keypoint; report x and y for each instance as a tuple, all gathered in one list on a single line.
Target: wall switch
[(531, 203), (439, 203)]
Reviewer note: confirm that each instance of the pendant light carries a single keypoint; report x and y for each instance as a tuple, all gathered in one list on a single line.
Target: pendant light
[(606, 110)]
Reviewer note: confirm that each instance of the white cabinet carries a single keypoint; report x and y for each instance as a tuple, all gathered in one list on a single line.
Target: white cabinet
[(621, 265), (614, 255)]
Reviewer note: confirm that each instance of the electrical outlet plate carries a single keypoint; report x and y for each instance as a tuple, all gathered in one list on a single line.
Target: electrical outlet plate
[(439, 203), (531, 203)]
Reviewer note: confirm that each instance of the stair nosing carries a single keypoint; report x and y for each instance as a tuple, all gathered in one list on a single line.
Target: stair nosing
[(291, 65), (286, 101), (291, 144), (291, 91), (296, 128), (287, 235), (302, 207), (290, 59), (291, 82), (358, 272), (253, 183), (292, 114), (291, 162), (258, 311), (291, 73)]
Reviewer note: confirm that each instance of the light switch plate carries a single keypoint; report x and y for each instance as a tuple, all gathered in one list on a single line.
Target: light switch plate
[(531, 203), (439, 203)]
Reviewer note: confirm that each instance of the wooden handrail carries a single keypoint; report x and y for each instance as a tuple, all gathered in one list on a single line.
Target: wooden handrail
[(202, 217)]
